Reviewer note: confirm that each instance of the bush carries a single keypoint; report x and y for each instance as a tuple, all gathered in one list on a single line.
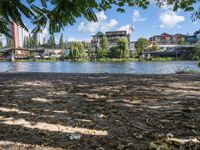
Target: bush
[(114, 52)]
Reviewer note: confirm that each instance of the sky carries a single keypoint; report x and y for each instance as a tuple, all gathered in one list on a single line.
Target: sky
[(146, 23)]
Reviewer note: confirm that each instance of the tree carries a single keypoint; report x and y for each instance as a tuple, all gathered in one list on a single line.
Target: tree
[(102, 52), (123, 47), (51, 42), (1, 45), (28, 42), (10, 43), (25, 43), (33, 42), (65, 12), (155, 47), (197, 50), (61, 44), (141, 45), (76, 51), (114, 52)]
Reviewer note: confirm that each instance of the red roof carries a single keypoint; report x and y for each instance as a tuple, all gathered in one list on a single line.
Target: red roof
[(166, 35)]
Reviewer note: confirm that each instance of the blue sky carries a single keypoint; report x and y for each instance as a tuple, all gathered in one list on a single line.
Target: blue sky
[(146, 23)]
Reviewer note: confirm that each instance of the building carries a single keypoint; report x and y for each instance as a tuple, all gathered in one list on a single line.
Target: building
[(197, 34), (191, 39), (18, 34), (112, 38), (168, 39)]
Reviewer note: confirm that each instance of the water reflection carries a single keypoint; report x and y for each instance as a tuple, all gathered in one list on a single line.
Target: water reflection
[(166, 67)]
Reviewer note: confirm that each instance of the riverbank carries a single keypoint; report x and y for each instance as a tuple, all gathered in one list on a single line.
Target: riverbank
[(158, 59), (97, 111)]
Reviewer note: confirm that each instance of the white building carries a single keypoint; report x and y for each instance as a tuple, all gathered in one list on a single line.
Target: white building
[(22, 34)]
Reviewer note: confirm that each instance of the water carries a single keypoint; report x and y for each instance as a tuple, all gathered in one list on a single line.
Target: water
[(166, 67)]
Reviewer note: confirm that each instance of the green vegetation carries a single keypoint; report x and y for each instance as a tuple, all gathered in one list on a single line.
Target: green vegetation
[(64, 13), (76, 51), (1, 45), (141, 45), (10, 43), (61, 44), (52, 42), (102, 51), (124, 51), (155, 47), (197, 50)]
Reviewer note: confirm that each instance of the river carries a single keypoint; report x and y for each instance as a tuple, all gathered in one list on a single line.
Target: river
[(149, 67)]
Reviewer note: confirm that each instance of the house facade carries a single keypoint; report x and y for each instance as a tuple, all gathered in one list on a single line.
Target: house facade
[(112, 36), (168, 39)]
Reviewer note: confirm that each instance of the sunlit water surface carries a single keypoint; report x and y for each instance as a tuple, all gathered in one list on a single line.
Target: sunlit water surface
[(165, 67)]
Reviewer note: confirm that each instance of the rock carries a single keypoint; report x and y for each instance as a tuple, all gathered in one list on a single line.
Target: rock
[(75, 136), (138, 136)]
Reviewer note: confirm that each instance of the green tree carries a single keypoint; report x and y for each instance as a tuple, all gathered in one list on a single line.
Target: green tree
[(123, 47), (155, 47), (102, 51), (1, 46), (76, 51), (65, 12), (141, 45), (25, 43), (51, 41), (197, 50), (10, 43), (33, 42), (28, 42), (61, 44), (114, 52)]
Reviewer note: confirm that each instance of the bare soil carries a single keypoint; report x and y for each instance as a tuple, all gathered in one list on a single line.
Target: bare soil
[(46, 110)]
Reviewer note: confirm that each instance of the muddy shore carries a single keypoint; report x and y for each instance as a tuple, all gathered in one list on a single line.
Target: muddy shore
[(97, 111)]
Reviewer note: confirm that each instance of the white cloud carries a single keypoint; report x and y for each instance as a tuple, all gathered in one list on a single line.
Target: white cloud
[(170, 19), (109, 25), (128, 28), (101, 16), (103, 24), (137, 17), (88, 27)]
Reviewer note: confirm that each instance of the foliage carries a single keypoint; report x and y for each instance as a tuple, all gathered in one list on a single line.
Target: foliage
[(10, 43), (25, 43), (76, 51), (33, 42), (104, 43), (197, 50), (102, 51), (88, 48), (123, 47), (65, 12), (114, 52), (183, 43), (141, 45), (61, 44), (1, 45), (155, 47), (51, 42)]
